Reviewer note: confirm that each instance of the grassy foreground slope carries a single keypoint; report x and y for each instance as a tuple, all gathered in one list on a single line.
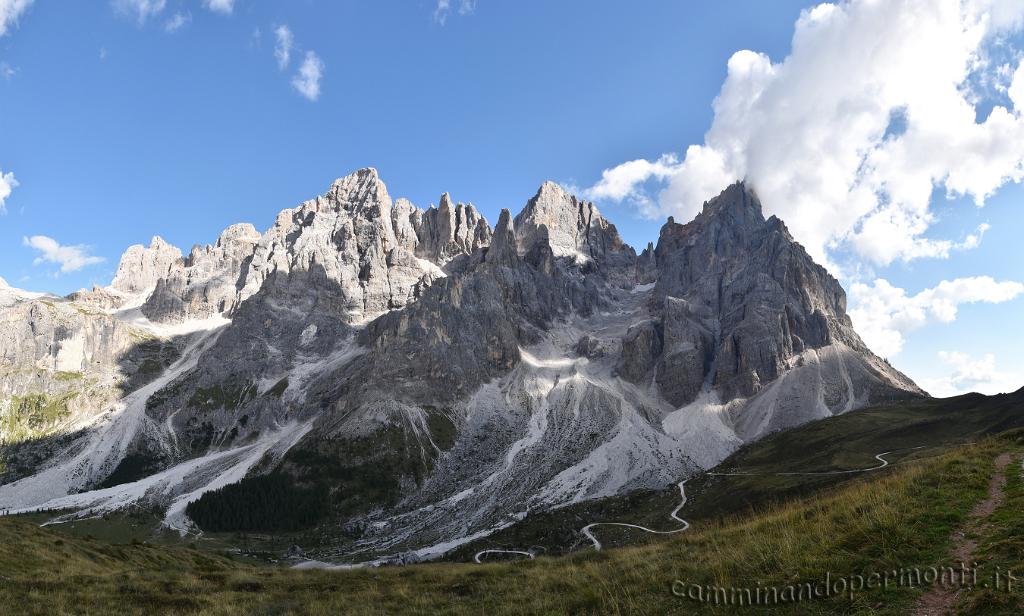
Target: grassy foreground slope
[(898, 517), (911, 430)]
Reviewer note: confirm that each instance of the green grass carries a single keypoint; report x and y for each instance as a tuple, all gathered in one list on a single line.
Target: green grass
[(903, 516), (442, 429), (278, 389), (1001, 543), (228, 396), (363, 472), (89, 312), (132, 467), (31, 415)]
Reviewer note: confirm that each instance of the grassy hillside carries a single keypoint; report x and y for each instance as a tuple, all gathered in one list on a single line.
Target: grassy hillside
[(898, 517), (912, 430)]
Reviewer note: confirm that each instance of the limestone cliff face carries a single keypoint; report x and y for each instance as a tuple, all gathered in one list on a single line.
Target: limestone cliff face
[(141, 267), (62, 362), (208, 281), (742, 304), (448, 231), (574, 227), (348, 239)]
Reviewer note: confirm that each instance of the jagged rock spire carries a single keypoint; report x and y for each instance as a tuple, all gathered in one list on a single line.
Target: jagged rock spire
[(503, 245), (450, 230)]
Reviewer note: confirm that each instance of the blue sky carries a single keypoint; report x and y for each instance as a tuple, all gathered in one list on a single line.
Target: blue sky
[(117, 128)]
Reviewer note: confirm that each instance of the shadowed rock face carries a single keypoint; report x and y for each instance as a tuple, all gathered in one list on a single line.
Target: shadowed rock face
[(740, 299), (429, 357)]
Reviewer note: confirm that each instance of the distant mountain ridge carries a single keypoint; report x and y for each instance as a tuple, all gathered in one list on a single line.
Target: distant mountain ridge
[(444, 377)]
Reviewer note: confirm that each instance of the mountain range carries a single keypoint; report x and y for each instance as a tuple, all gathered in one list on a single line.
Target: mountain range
[(433, 377)]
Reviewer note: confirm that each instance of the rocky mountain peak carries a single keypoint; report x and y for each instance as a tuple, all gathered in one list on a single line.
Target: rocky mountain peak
[(362, 193), (503, 244), (738, 202), (207, 282), (749, 304), (141, 267), (241, 232), (354, 245), (574, 227)]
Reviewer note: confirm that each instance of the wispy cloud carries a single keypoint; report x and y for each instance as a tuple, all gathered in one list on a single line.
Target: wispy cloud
[(307, 79), (7, 71), (444, 8), (70, 258), (883, 314), (626, 181), (969, 373), (220, 6), (177, 22), (10, 11), (283, 46), (141, 10), (7, 185)]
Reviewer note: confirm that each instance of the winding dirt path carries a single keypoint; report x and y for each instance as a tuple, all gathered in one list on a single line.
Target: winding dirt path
[(588, 529), (940, 600), (880, 457), (482, 553), (674, 515)]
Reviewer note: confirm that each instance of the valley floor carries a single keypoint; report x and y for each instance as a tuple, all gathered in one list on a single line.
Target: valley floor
[(904, 516)]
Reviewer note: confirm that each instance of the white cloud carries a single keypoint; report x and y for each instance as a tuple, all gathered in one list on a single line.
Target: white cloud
[(444, 8), (10, 11), (7, 185), (307, 79), (177, 22), (883, 314), (70, 258), (283, 46), (625, 180), (142, 10), (887, 239), (971, 374), (7, 71), (220, 6), (814, 134)]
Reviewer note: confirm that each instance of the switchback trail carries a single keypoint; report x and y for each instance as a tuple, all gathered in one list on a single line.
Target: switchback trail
[(674, 515), (588, 529)]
